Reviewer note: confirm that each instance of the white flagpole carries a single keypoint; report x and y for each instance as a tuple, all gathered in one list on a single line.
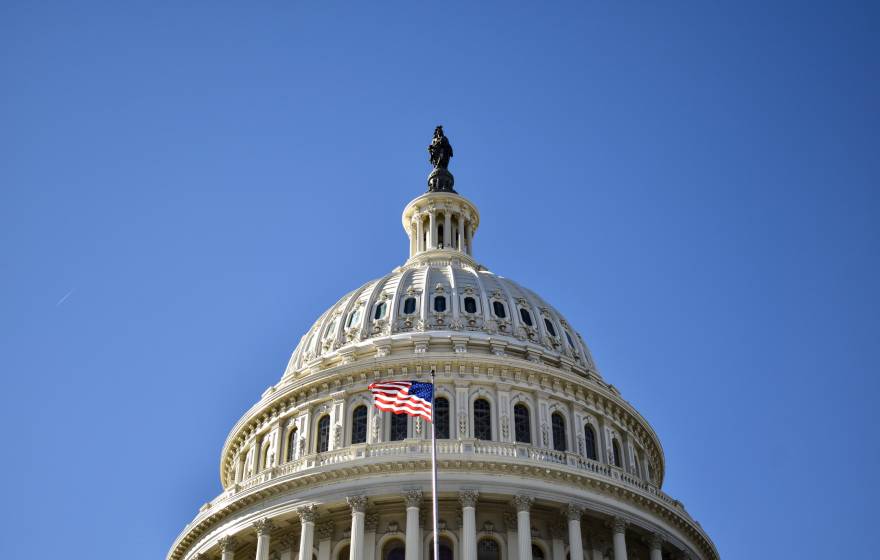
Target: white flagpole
[(434, 466)]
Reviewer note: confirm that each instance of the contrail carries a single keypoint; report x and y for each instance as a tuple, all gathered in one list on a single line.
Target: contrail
[(67, 295)]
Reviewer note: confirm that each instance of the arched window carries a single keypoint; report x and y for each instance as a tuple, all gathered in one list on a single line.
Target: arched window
[(344, 553), (265, 459), (499, 309), (537, 552), (637, 464), (441, 417), (558, 432), (487, 549), (522, 427), (525, 316), (394, 550), (291, 444), (470, 305), (440, 304), (381, 308), (323, 443), (568, 337), (398, 427), (549, 326), (359, 425), (590, 441), (440, 236), (482, 419), (409, 306), (615, 450), (445, 549), (353, 318)]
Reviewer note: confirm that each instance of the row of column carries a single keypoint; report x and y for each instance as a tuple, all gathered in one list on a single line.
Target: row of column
[(420, 242), (413, 498)]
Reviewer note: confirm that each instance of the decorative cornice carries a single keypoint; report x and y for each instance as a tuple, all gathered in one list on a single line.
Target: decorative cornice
[(358, 504), (523, 502), (468, 497), (413, 497), (263, 526)]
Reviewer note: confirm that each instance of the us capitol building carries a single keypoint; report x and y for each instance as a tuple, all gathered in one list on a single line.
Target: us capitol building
[(539, 456)]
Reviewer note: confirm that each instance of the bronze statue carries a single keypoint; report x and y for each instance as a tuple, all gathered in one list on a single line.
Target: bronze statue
[(440, 149)]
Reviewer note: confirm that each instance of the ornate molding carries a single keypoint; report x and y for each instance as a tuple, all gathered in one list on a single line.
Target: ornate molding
[(574, 512), (227, 543), (358, 504), (324, 530), (263, 526), (307, 514), (523, 502), (371, 521), (412, 497), (468, 497), (618, 525)]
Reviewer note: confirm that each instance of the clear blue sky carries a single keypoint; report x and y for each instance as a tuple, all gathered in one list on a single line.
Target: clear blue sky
[(185, 186)]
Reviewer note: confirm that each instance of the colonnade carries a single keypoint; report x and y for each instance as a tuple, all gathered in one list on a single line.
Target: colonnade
[(424, 240), (362, 545)]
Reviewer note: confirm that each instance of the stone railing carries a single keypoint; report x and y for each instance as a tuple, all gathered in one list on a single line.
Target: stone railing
[(452, 448)]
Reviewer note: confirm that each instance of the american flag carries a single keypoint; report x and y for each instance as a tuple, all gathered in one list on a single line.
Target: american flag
[(404, 397)]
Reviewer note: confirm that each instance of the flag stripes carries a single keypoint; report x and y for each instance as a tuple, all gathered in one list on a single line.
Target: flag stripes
[(404, 397)]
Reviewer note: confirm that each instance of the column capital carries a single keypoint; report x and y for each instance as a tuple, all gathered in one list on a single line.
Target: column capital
[(468, 497), (656, 540), (307, 514), (358, 504), (574, 512), (618, 525), (523, 502), (412, 497), (263, 526), (227, 543)]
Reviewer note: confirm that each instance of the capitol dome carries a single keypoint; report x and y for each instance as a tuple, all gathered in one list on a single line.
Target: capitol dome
[(539, 457)]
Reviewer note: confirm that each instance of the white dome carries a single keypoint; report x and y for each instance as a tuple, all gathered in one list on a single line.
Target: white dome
[(441, 301)]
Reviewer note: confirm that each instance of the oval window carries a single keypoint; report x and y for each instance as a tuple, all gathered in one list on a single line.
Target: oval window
[(440, 304), (470, 305), (549, 326), (498, 307), (525, 316), (409, 305)]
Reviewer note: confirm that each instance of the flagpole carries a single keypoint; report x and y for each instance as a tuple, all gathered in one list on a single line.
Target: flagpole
[(434, 467)]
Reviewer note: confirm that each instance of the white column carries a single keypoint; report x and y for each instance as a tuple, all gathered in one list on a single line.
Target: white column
[(656, 543), (227, 546), (619, 528), (468, 499), (264, 529), (524, 526), (575, 541), (510, 527), (307, 515), (420, 231), (460, 241), (413, 238), (413, 499), (358, 506), (371, 522), (325, 539), (558, 546), (432, 230), (447, 230)]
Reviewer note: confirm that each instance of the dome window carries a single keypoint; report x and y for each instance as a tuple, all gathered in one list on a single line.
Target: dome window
[(549, 325), (482, 419), (615, 451), (381, 309), (323, 443), (409, 306), (440, 304), (590, 441), (522, 424), (470, 305), (525, 316), (558, 422), (291, 444), (487, 549), (441, 417), (398, 427), (359, 425), (499, 309), (353, 318), (568, 338)]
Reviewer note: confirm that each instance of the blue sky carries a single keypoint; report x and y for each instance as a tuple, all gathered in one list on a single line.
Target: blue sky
[(185, 186)]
